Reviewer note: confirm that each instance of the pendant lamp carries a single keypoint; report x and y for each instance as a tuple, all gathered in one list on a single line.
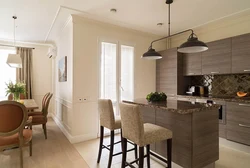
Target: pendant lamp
[(14, 60), (192, 45)]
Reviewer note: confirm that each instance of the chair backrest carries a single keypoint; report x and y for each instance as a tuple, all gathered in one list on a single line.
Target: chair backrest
[(13, 117), (106, 112), (132, 123), (44, 100), (47, 101)]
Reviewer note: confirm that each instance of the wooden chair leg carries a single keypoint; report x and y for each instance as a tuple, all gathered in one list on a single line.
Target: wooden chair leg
[(148, 155), (124, 152), (45, 130), (169, 152), (141, 156), (30, 147), (112, 136), (101, 143), (21, 156)]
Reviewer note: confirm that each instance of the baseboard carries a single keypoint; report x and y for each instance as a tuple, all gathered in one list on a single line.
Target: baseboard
[(73, 139), (234, 145)]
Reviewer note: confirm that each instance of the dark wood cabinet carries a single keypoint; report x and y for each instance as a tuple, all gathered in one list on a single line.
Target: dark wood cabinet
[(241, 54), (217, 59), (238, 122), (192, 64), (166, 72), (169, 73)]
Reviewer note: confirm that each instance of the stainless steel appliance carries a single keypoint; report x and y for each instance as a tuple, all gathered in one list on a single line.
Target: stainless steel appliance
[(197, 91), (221, 110)]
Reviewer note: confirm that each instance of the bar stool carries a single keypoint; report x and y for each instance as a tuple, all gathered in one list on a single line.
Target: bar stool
[(142, 135), (108, 120)]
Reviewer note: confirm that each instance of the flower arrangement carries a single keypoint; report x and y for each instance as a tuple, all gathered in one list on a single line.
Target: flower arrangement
[(15, 89), (155, 97)]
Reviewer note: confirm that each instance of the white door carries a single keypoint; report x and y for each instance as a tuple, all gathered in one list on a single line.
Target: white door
[(116, 73)]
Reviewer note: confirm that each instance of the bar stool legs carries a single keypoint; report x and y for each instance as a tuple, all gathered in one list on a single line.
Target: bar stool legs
[(142, 156), (169, 153), (148, 155), (111, 148), (100, 145), (124, 152)]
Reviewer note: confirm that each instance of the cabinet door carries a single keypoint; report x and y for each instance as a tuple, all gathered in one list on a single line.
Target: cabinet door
[(217, 59), (238, 122), (192, 64), (241, 54), (166, 72)]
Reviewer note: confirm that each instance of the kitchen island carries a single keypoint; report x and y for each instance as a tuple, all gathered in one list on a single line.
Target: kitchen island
[(195, 130)]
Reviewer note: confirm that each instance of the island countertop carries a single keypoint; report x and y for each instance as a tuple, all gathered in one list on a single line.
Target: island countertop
[(181, 107)]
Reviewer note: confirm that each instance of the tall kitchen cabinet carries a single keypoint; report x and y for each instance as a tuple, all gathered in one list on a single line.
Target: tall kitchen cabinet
[(217, 59), (192, 64), (169, 78), (241, 54)]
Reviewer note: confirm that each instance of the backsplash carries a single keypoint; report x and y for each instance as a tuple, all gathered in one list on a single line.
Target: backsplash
[(226, 85)]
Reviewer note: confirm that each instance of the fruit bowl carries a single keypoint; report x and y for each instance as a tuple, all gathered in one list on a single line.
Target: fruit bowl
[(241, 94)]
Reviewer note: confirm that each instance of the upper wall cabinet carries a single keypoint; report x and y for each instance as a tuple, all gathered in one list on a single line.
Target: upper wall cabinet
[(217, 59), (241, 54), (192, 64), (166, 72)]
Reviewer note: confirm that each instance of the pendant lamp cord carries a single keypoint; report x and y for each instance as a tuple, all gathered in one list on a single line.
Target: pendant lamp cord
[(168, 19), (14, 17)]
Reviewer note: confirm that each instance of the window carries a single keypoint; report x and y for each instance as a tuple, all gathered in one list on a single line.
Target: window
[(6, 73), (116, 73)]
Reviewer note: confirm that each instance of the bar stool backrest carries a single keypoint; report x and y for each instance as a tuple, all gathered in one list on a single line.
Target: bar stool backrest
[(107, 117), (132, 123)]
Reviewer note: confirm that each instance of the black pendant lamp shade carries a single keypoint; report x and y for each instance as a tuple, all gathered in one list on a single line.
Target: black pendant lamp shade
[(192, 45), (151, 54)]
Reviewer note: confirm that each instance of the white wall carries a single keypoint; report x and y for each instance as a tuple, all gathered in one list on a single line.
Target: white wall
[(81, 118), (63, 110), (42, 71)]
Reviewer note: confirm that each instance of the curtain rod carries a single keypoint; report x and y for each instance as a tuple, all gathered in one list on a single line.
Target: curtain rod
[(15, 46)]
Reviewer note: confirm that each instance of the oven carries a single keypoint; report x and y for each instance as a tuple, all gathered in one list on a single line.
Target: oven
[(221, 110)]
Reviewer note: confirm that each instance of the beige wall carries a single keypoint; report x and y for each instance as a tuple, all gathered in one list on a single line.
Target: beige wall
[(81, 121), (86, 37), (227, 27), (63, 110), (42, 68)]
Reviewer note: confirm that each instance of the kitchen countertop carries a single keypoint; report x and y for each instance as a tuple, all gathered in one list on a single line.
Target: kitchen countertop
[(181, 107), (221, 98)]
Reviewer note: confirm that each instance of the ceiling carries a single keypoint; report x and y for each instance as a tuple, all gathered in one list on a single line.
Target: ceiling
[(40, 21)]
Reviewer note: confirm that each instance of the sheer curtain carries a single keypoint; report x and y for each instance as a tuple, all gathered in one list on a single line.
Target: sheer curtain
[(24, 74)]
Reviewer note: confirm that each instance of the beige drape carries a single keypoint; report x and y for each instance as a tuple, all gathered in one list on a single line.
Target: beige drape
[(24, 74)]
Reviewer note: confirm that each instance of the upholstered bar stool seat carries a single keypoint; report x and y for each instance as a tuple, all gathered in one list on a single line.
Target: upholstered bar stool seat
[(109, 121), (142, 134)]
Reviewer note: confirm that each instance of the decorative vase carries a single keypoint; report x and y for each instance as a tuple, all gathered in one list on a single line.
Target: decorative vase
[(16, 96)]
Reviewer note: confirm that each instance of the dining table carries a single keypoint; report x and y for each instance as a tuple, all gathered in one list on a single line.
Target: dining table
[(30, 104)]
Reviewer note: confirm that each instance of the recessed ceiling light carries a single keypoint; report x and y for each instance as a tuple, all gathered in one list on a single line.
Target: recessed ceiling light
[(159, 24), (113, 10)]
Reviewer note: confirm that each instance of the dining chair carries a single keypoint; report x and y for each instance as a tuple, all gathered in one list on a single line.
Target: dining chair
[(43, 106), (40, 118), (12, 122)]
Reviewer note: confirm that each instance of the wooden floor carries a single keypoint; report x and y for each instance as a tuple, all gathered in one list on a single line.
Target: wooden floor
[(55, 152)]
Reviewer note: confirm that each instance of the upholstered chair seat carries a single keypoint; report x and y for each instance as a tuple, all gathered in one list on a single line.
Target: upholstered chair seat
[(142, 134), (35, 113), (14, 139), (40, 117)]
